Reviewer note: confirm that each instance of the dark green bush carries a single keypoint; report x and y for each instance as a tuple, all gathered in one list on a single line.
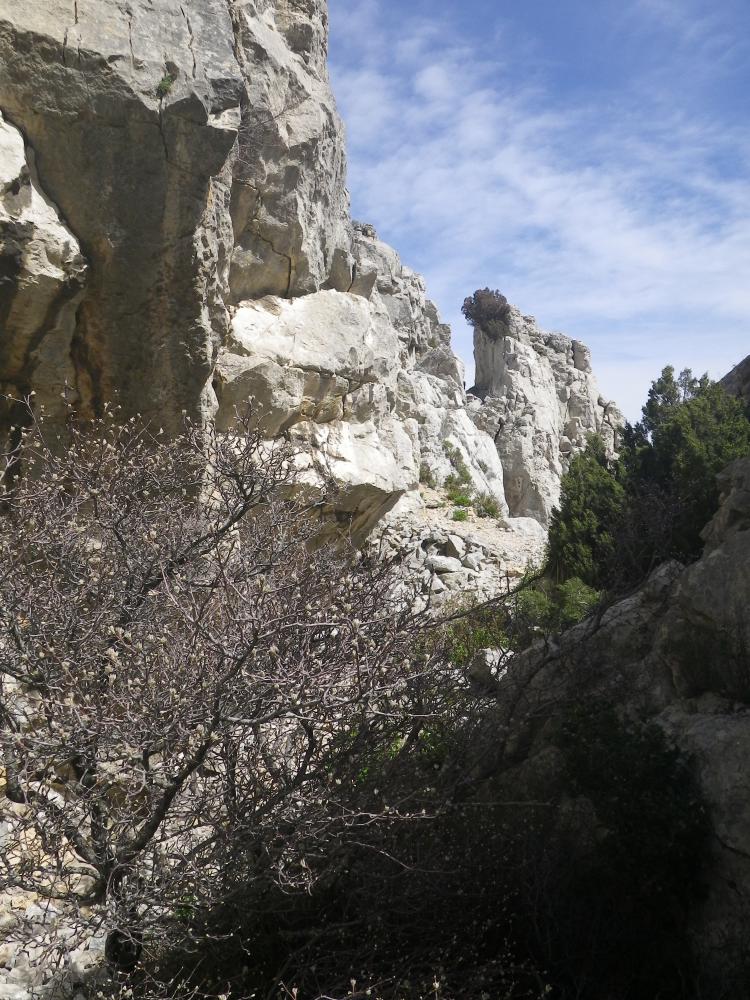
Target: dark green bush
[(164, 86), (616, 521), (488, 311), (631, 893), (584, 529)]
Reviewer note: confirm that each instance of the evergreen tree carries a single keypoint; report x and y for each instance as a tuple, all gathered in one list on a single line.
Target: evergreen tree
[(583, 532), (615, 524)]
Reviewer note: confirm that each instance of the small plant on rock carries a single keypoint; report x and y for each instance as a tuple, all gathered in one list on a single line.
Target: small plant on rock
[(487, 505), (164, 86), (488, 311), (426, 476)]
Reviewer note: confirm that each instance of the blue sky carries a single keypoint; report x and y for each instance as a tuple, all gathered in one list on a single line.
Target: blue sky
[(589, 158)]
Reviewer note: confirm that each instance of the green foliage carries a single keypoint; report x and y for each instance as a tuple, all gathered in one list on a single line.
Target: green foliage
[(544, 608), (460, 514), (652, 838), (583, 530), (667, 393), (487, 505), (537, 607), (690, 447), (164, 86), (488, 311), (461, 474), (575, 601), (457, 494), (482, 629), (426, 476), (616, 522), (458, 484)]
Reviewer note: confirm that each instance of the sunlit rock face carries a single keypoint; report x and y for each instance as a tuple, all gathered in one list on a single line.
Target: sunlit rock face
[(131, 112), (177, 236), (540, 402)]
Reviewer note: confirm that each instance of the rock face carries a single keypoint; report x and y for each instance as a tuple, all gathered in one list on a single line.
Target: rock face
[(677, 652), (131, 112), (176, 235), (737, 382), (42, 275), (540, 401)]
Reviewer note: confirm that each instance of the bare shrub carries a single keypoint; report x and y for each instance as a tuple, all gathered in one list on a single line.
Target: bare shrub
[(189, 684)]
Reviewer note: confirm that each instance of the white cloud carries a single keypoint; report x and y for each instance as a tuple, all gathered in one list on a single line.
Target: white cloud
[(623, 221)]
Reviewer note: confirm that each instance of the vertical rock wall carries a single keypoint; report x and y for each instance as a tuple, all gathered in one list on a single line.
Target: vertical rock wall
[(190, 164), (539, 401), (42, 277), (131, 111)]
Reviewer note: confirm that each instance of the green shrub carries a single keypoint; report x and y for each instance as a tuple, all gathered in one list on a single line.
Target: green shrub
[(487, 505), (426, 476), (575, 601), (456, 459), (544, 608), (583, 530), (460, 514), (487, 310), (164, 86), (483, 629), (458, 495), (618, 520)]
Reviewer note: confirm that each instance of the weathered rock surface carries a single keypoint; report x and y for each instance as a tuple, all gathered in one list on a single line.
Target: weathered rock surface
[(737, 382), (42, 276), (185, 245), (132, 112), (540, 402), (365, 376), (676, 652)]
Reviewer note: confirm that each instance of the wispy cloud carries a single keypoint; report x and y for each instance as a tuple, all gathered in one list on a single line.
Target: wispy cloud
[(618, 217)]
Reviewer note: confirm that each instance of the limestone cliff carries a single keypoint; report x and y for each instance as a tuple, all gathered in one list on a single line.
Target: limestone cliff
[(540, 401), (175, 233)]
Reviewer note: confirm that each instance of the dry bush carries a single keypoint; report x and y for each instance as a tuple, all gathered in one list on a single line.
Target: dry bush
[(189, 684)]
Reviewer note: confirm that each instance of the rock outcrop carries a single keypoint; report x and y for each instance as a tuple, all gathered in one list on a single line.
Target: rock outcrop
[(131, 112), (42, 276), (737, 382), (540, 402), (677, 653), (176, 236)]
